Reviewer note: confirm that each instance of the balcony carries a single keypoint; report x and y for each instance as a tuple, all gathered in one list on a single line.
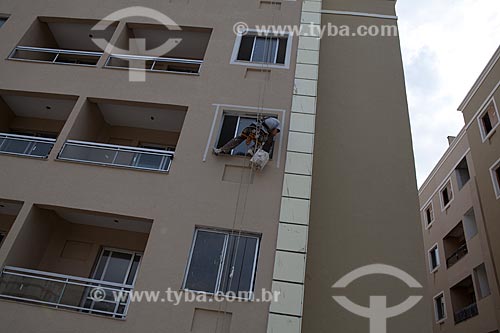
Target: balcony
[(55, 56), (61, 41), (154, 64), (457, 255), (466, 313), (30, 123), (139, 136), (120, 156), (140, 47), (455, 245), (61, 256), (25, 145), (8, 213), (63, 291), (463, 299)]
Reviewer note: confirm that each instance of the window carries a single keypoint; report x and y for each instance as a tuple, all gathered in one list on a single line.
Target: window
[(222, 262), (232, 125), (462, 172), (488, 120), (2, 21), (495, 177), (446, 195), (2, 236), (429, 215), (439, 307), (263, 48), (116, 266), (434, 258), (482, 283)]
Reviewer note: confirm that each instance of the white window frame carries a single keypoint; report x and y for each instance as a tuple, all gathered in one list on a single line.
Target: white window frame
[(443, 206), (486, 136), (221, 264), (428, 225), (438, 259), (262, 33), (494, 179), (439, 320)]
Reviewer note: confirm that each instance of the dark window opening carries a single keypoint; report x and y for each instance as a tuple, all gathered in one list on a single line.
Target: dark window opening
[(434, 258), (263, 49), (2, 21), (446, 197), (440, 308), (462, 172), (429, 215), (232, 125)]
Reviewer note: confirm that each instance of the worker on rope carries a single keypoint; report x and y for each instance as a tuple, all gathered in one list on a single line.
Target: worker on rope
[(269, 128)]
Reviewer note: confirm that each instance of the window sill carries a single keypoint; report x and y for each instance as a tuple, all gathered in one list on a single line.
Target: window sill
[(261, 65), (219, 296)]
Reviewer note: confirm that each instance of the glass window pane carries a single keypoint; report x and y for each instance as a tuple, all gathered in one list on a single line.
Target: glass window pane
[(265, 49), (101, 264), (117, 268), (41, 149), (92, 154), (16, 146), (149, 161), (246, 45), (205, 261), (133, 269), (125, 158), (239, 264)]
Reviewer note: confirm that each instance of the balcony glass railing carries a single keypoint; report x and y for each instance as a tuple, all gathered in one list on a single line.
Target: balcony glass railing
[(65, 291), (154, 64), (55, 56), (457, 255), (24, 145), (120, 156), (466, 313)]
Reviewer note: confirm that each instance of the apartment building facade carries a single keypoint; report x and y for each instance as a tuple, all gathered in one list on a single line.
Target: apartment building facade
[(107, 181), (459, 211)]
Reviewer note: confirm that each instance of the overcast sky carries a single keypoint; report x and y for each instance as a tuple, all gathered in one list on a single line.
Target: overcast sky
[(445, 44)]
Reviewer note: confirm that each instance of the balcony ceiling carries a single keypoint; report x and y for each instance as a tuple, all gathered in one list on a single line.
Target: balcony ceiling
[(143, 117), (10, 208), (39, 107), (76, 36), (105, 221)]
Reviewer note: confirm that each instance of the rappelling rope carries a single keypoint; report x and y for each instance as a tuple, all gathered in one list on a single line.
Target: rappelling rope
[(257, 146)]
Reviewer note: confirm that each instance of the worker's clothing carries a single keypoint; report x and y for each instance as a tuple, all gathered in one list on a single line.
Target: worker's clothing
[(249, 134)]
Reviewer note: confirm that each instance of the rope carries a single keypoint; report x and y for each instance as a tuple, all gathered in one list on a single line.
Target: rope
[(261, 99)]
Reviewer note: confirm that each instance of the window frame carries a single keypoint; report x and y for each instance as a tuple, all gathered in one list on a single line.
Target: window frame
[(262, 33), (429, 224), (436, 317), (443, 206), (435, 248), (486, 136), (220, 277), (495, 179)]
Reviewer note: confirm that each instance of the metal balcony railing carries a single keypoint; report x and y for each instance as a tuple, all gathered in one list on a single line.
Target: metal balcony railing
[(154, 64), (113, 155), (466, 313), (65, 291), (457, 255), (24, 145), (55, 56)]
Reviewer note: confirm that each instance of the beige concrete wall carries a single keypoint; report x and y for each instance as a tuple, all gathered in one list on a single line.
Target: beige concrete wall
[(364, 197), (191, 194)]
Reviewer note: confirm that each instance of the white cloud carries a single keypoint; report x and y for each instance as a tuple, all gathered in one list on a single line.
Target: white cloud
[(445, 44)]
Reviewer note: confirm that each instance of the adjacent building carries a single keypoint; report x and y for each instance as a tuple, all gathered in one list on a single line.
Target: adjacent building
[(108, 183), (460, 215)]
